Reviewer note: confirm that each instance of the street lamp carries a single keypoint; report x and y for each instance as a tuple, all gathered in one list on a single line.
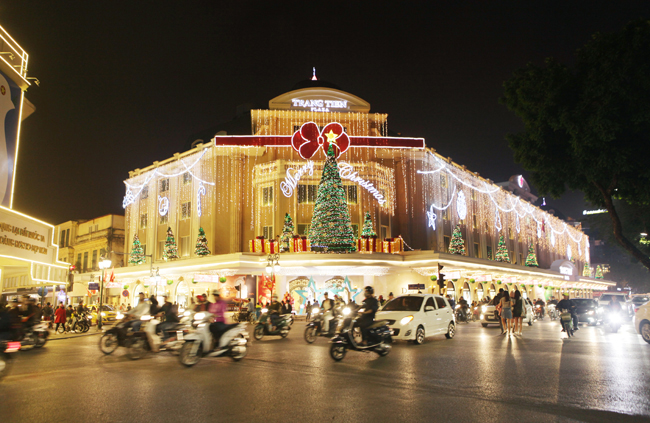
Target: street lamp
[(103, 264)]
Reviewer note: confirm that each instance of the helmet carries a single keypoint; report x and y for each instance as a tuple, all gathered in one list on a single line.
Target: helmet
[(216, 293), (369, 289)]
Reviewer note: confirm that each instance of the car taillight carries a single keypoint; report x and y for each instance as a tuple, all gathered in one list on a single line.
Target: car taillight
[(12, 347)]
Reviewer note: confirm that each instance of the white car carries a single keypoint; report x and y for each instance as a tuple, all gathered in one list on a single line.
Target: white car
[(489, 315), (642, 322), (621, 298), (414, 317)]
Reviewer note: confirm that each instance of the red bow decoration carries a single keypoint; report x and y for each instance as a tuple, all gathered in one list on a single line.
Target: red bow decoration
[(308, 139)]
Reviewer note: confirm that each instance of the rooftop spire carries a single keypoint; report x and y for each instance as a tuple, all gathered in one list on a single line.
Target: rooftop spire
[(313, 77)]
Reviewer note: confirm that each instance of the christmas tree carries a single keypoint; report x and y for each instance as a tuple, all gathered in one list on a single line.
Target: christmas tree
[(330, 225), (137, 254), (531, 260), (171, 251), (502, 251), (457, 244), (287, 232), (599, 272), (368, 231), (586, 271), (201, 244)]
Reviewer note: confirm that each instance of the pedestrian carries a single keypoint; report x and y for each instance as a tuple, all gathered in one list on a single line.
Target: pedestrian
[(381, 300), (390, 296), (506, 312), (497, 309), (518, 310), (308, 310), (47, 314), (59, 317)]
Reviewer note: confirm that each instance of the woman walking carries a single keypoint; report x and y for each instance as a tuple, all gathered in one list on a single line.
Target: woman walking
[(59, 317), (506, 312), (517, 312)]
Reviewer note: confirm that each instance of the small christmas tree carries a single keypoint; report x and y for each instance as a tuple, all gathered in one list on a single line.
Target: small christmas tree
[(137, 253), (330, 225), (599, 272), (201, 244), (368, 231), (171, 251), (457, 244), (502, 251), (287, 233), (531, 260), (586, 271)]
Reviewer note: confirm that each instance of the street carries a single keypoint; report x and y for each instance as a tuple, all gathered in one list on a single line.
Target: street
[(479, 375)]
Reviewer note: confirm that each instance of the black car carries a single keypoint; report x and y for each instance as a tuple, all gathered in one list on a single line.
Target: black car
[(588, 311)]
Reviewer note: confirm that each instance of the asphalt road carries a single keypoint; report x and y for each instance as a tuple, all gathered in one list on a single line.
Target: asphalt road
[(479, 375)]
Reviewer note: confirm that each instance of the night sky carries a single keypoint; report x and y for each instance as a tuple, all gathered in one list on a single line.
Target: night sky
[(125, 83)]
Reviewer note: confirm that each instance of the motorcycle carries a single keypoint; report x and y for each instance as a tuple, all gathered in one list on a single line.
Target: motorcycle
[(117, 336), (315, 327), (6, 349), (148, 340), (233, 342), (614, 320), (263, 326), (35, 336), (463, 314), (566, 320), (539, 312), (379, 339)]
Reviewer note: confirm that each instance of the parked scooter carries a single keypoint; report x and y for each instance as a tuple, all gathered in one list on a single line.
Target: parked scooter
[(233, 342), (379, 339), (566, 320), (264, 326), (6, 349)]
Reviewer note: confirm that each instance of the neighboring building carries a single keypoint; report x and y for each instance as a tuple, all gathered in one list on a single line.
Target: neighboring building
[(237, 187)]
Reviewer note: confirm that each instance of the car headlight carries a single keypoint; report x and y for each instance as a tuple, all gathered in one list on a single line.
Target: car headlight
[(484, 309), (406, 320), (186, 313), (590, 313), (199, 316), (346, 311), (314, 311), (103, 314), (264, 310)]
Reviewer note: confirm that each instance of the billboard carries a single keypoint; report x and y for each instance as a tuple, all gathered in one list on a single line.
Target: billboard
[(10, 109)]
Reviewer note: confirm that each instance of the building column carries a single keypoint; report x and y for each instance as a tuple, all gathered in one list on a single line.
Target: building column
[(236, 175)]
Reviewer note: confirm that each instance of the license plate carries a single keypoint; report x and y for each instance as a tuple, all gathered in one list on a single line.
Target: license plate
[(179, 335)]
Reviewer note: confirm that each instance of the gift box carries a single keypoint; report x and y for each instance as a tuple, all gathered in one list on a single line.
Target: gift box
[(303, 245), (271, 246), (368, 245), (393, 245), (257, 245), (293, 244)]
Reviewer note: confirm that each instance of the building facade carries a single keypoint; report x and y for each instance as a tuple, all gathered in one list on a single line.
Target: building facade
[(239, 187)]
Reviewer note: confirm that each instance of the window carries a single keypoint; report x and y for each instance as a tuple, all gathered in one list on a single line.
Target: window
[(62, 239), (67, 237), (472, 195), (443, 181), (384, 232), (268, 232), (446, 238), (511, 235), (187, 178), (430, 303), (521, 258), (143, 221), (85, 265), (186, 210), (477, 250), (514, 257), (445, 215), (185, 246), (404, 304), (94, 259), (144, 250), (307, 194), (351, 193), (164, 219), (474, 222), (145, 192), (489, 252), (161, 249), (102, 253), (78, 263), (441, 302), (355, 230), (267, 196), (303, 229), (164, 185)]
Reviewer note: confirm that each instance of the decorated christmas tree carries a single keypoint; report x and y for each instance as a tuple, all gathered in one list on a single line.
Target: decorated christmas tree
[(137, 253), (287, 233), (531, 260), (201, 244), (171, 251), (457, 244), (502, 251), (368, 231), (599, 272), (586, 271), (330, 225)]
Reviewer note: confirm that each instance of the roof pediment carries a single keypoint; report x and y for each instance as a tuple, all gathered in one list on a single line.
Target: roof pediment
[(319, 99)]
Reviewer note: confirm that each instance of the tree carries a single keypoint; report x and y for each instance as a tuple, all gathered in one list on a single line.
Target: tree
[(330, 225), (171, 251), (587, 127), (137, 253), (586, 271), (201, 244), (457, 244), (287, 232), (531, 259), (599, 272), (368, 230), (502, 251)]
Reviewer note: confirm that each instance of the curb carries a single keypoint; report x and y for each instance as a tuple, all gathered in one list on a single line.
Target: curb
[(51, 338)]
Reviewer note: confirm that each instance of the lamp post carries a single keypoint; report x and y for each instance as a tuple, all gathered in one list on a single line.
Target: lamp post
[(273, 267), (103, 264)]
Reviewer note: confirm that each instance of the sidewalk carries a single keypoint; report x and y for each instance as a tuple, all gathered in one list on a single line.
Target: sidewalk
[(68, 335)]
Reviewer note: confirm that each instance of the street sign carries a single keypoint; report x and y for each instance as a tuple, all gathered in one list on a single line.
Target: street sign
[(415, 286), (93, 286)]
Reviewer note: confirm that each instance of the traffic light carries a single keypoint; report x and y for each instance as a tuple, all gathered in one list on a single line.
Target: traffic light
[(441, 278)]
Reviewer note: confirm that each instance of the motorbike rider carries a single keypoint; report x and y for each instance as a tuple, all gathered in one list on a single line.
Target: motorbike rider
[(370, 306), (29, 314), (328, 312), (218, 309), (615, 306), (202, 303), (463, 306), (138, 311), (6, 323), (169, 312), (540, 303), (274, 311), (567, 304)]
